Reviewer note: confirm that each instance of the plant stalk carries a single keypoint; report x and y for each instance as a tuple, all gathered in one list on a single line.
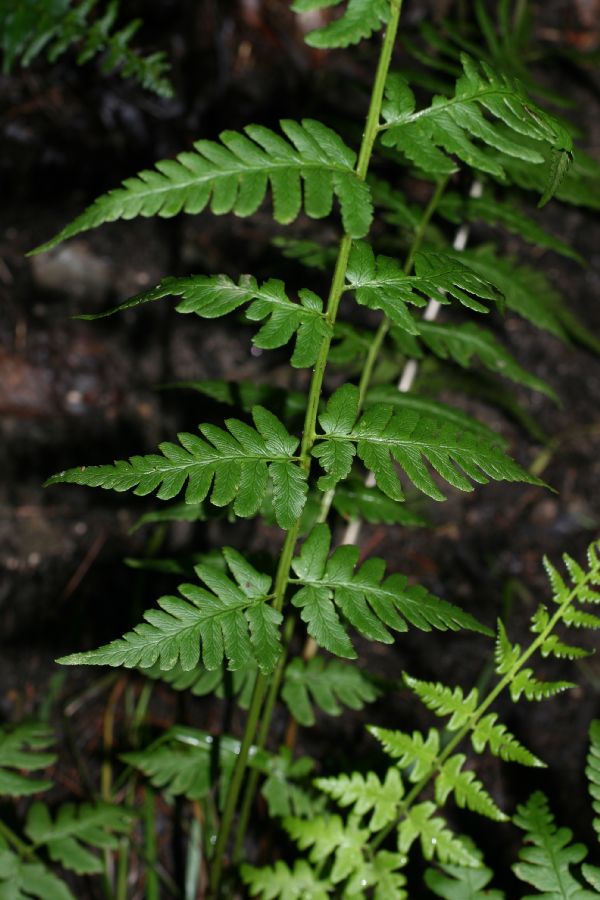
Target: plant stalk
[(308, 438)]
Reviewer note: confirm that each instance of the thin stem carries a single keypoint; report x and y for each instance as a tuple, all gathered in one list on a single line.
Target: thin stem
[(308, 438)]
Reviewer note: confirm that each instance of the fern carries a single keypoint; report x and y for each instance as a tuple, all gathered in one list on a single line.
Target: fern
[(463, 882), (238, 463), (329, 686), (359, 20), (230, 620), (381, 436), (53, 26), (367, 794), (233, 175), (20, 880), (283, 883), (24, 749)]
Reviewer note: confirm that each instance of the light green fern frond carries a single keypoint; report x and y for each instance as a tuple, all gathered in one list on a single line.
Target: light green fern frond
[(279, 882), (234, 174), (463, 882), (359, 20), (366, 794)]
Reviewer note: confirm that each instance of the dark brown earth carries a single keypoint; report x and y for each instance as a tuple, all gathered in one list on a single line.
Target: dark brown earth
[(74, 392)]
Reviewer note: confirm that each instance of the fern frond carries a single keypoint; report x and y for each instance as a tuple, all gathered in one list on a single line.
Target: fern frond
[(445, 701), (381, 435), (488, 731), (21, 880), (76, 828), (380, 283), (212, 296), (229, 620), (418, 752), (367, 794), (200, 681), (24, 748), (461, 421), (327, 684), (279, 882), (53, 26), (367, 601), (284, 796), (592, 772), (234, 174), (435, 838), (578, 187), (451, 123), (524, 683), (546, 859), (464, 342), (463, 882), (329, 836), (467, 790), (237, 463), (456, 209), (360, 20)]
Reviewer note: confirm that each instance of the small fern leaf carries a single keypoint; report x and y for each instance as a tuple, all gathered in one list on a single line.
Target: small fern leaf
[(234, 174), (592, 772), (382, 435), (328, 685), (237, 463), (355, 500), (548, 854), (329, 836), (445, 701), (367, 794), (448, 126), (367, 600), (360, 20), (553, 646), (279, 882), (24, 749), (463, 343), (200, 681), (463, 882), (467, 790), (414, 751), (489, 732), (506, 654), (436, 839), (380, 283), (560, 163), (76, 829), (212, 296), (228, 620), (524, 683), (22, 880)]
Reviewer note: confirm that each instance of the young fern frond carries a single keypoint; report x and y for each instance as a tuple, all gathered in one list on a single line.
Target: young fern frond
[(238, 464), (228, 619), (233, 175), (359, 20), (382, 434), (25, 749)]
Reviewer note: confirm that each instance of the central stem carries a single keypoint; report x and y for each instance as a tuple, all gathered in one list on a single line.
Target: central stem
[(308, 439)]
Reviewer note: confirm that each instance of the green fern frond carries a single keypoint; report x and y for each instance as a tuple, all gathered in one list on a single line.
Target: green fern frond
[(463, 882), (237, 463), (54, 26), (367, 794), (370, 603), (525, 684), (456, 209), (382, 435), (464, 342), (467, 790), (415, 751), (76, 828), (451, 123), (279, 882), (445, 701), (489, 732), (380, 283), (355, 500), (437, 841), (24, 748), (579, 186), (329, 836), (546, 859), (234, 174), (327, 684), (460, 420), (200, 681), (284, 795), (592, 771), (229, 620), (212, 296), (360, 20), (20, 880)]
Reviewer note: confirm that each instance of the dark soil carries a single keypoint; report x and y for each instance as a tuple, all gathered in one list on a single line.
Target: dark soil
[(75, 392)]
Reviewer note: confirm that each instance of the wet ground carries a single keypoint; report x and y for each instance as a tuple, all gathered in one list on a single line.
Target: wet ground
[(75, 392)]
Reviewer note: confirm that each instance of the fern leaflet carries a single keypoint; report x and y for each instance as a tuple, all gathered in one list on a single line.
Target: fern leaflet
[(360, 20), (24, 748)]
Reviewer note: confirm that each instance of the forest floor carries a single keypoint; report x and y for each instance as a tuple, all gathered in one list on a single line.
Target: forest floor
[(75, 392)]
